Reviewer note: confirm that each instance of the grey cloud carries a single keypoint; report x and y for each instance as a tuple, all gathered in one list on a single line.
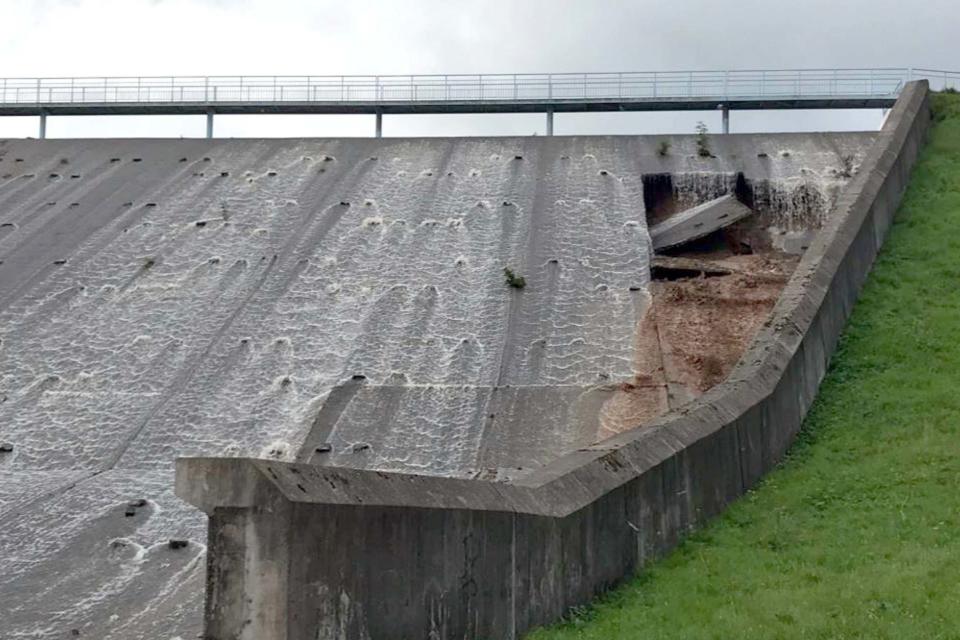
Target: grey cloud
[(158, 37)]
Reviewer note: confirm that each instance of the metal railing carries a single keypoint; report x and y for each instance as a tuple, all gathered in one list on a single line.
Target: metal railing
[(939, 79), (545, 88)]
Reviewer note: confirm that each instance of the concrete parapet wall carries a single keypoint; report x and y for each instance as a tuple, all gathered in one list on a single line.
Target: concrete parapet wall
[(298, 551)]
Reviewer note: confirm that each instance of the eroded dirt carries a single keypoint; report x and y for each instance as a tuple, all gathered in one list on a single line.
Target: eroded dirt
[(696, 329), (705, 324)]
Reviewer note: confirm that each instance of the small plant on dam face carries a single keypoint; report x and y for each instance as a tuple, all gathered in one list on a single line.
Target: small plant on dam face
[(663, 148), (513, 280), (847, 163), (703, 146)]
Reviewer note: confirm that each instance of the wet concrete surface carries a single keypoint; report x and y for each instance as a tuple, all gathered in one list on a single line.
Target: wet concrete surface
[(170, 298)]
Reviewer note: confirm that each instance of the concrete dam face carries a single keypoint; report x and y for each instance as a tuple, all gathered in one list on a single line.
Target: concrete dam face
[(345, 303)]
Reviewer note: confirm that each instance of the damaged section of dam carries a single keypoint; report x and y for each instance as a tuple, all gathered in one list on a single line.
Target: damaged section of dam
[(343, 303)]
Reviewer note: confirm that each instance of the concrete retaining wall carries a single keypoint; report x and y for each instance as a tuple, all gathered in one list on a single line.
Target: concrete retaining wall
[(298, 551)]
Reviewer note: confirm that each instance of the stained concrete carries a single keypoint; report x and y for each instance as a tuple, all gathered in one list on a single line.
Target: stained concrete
[(357, 554)]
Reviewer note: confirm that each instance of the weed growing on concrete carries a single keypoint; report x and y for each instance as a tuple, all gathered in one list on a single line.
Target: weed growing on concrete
[(663, 148), (513, 280), (846, 166), (703, 143)]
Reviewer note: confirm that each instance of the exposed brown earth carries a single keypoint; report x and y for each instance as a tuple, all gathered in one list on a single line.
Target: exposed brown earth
[(697, 327), (705, 324)]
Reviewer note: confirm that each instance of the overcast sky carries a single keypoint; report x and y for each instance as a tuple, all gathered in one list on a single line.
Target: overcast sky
[(227, 37)]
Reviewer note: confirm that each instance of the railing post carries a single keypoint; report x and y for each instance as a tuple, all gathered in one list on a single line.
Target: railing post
[(550, 86)]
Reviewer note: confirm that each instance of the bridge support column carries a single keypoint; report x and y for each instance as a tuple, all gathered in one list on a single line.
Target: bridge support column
[(43, 125), (379, 124), (726, 119), (209, 124), (549, 122)]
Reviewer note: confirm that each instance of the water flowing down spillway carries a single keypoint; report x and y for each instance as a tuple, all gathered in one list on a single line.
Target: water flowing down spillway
[(213, 314), (337, 301)]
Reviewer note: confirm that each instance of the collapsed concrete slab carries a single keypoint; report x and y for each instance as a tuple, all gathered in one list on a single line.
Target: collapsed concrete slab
[(671, 267), (698, 222)]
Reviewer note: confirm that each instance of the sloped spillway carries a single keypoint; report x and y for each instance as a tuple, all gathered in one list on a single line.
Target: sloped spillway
[(169, 298)]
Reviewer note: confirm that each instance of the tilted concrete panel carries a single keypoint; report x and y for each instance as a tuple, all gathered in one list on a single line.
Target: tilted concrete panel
[(698, 221)]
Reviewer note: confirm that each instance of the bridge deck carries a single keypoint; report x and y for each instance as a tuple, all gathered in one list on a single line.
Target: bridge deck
[(444, 106), (503, 93)]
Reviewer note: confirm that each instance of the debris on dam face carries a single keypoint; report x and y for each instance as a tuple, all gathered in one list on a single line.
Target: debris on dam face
[(698, 222), (461, 307)]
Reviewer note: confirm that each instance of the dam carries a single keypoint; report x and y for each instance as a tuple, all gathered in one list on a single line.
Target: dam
[(348, 312)]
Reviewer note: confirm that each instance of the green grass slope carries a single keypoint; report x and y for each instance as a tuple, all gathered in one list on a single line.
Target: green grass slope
[(857, 534)]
